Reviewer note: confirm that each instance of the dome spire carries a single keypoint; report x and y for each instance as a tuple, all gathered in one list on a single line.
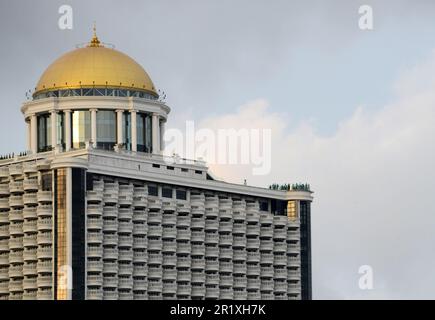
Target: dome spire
[(95, 42)]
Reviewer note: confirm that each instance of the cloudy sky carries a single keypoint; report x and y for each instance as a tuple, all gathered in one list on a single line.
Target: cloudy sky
[(351, 111)]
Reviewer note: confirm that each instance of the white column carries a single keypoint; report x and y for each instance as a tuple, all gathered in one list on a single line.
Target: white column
[(155, 134), (94, 127), (119, 126), (53, 115), (29, 135), (162, 134), (34, 133), (133, 130), (67, 130)]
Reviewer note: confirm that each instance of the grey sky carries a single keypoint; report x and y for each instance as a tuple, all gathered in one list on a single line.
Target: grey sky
[(308, 59)]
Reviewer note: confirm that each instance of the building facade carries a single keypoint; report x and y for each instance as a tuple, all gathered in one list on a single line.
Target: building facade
[(94, 210)]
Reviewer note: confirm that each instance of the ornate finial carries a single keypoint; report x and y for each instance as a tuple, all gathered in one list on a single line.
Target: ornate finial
[(95, 42)]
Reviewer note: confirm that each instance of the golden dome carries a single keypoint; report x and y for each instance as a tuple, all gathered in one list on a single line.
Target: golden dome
[(95, 66)]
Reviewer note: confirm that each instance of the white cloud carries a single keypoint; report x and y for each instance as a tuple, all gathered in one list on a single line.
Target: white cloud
[(373, 181)]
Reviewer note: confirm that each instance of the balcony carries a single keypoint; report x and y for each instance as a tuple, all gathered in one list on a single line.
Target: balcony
[(155, 286), (239, 228), (139, 242), (4, 190), (183, 234), (139, 216), (4, 259), (183, 221), (239, 242), (110, 253), (197, 237), (108, 239), (169, 233), (4, 218), (154, 218), (140, 229), (125, 197), (169, 246), (154, 204), (16, 187), (253, 270), (211, 225), (125, 255), (197, 224), (155, 244), (94, 210), (95, 223), (226, 267), (266, 232), (16, 257), (280, 247), (125, 283), (183, 276), (169, 220), (183, 262), (266, 245), (30, 283), (44, 294), (94, 266), (110, 225), (16, 215), (30, 185), (44, 196), (15, 202), (30, 226), (155, 231), (16, 243), (212, 292), (212, 251), (168, 205), (110, 212), (4, 231), (198, 250), (30, 167), (95, 251), (95, 238), (253, 284), (225, 227), (239, 268), (94, 196), (16, 169), (16, 229), (16, 271), (140, 285), (4, 172), (198, 291), (45, 281), (94, 294), (252, 231), (30, 240), (44, 211), (110, 282), (225, 240), (266, 272), (110, 267), (280, 260), (125, 214), (44, 238), (95, 280), (226, 294), (240, 282), (252, 244), (140, 201), (125, 227), (252, 218), (266, 258), (170, 274), (45, 224), (4, 203), (183, 290), (293, 248), (239, 255), (197, 264), (110, 197), (45, 252), (30, 199), (110, 294), (44, 266), (280, 273), (211, 213), (169, 288), (293, 274)]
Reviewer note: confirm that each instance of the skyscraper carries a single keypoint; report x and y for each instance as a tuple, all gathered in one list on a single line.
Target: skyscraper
[(93, 210)]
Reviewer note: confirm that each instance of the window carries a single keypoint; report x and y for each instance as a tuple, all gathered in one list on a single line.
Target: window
[(144, 132), (153, 191), (181, 194), (167, 192), (81, 128), (44, 132), (106, 129), (126, 128)]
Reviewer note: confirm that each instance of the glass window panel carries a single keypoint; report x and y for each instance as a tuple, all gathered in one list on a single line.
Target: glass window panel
[(106, 129), (81, 128)]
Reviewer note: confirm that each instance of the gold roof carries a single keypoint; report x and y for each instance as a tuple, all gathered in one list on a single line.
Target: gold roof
[(95, 66)]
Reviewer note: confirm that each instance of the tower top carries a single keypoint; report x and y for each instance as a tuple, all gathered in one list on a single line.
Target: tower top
[(95, 42)]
